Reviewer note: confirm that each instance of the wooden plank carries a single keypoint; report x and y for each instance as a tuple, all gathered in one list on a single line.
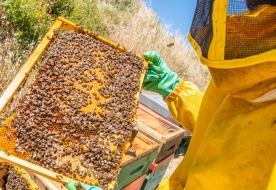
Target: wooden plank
[(27, 67), (162, 131), (155, 166), (153, 133), (33, 168), (139, 148), (134, 170), (37, 181), (167, 149), (48, 183), (157, 123)]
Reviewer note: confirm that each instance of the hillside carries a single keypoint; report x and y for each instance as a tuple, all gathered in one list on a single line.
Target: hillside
[(141, 31), (128, 22)]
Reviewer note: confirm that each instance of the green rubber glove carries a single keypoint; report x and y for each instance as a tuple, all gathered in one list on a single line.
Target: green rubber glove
[(71, 186), (159, 77)]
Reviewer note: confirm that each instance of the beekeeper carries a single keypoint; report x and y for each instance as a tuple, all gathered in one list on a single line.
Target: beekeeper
[(233, 123)]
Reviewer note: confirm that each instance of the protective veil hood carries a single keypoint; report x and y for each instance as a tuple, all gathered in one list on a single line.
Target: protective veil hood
[(238, 45)]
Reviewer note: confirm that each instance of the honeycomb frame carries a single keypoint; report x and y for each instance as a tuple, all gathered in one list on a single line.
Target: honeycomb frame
[(8, 148)]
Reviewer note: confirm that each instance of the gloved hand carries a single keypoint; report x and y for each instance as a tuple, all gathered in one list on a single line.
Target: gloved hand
[(159, 77), (73, 183)]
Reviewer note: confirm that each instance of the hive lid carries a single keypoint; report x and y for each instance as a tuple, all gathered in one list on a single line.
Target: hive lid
[(140, 147), (158, 127)]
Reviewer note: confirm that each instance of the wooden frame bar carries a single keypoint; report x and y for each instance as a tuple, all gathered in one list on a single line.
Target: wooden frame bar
[(27, 67), (23, 74), (33, 168)]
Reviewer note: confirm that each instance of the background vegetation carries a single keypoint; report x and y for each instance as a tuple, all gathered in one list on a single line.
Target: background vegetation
[(23, 23)]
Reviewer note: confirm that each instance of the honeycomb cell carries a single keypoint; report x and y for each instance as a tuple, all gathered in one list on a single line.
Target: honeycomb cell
[(81, 106)]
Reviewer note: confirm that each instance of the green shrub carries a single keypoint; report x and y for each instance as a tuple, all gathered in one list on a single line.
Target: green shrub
[(29, 20), (124, 5), (87, 14), (119, 11), (59, 7), (26, 18)]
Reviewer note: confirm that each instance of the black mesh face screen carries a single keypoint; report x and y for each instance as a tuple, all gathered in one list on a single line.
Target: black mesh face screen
[(201, 29), (250, 28), (236, 7)]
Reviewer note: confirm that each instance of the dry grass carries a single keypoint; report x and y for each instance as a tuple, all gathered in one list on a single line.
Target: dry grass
[(11, 59), (142, 32)]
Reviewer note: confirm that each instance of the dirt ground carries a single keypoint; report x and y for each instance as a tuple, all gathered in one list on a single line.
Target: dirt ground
[(173, 164), (177, 158)]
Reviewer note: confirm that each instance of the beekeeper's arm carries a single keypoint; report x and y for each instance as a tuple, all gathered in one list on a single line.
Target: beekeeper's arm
[(183, 97)]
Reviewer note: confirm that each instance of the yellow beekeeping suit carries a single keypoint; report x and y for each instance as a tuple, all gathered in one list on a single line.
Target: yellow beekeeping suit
[(233, 125)]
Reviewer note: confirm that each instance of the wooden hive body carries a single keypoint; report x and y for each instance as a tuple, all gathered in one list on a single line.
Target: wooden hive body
[(167, 134), (156, 173), (137, 160)]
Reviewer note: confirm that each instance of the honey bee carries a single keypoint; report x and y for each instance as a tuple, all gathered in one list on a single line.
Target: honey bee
[(59, 177), (7, 152), (7, 135), (49, 38)]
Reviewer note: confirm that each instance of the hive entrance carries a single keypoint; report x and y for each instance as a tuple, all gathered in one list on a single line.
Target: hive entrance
[(78, 116)]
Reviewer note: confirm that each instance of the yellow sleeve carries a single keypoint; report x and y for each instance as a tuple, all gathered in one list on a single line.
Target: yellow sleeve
[(184, 102)]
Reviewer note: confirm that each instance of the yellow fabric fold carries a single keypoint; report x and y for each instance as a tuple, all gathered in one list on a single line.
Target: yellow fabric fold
[(233, 144), (184, 103)]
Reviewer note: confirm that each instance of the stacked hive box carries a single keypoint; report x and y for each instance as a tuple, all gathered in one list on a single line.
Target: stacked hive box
[(156, 173), (167, 134), (137, 160)]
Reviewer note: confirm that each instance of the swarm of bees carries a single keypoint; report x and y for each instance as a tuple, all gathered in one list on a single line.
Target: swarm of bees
[(79, 113), (15, 181)]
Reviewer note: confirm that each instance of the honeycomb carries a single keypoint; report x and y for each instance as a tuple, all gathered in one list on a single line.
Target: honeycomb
[(14, 180), (77, 117)]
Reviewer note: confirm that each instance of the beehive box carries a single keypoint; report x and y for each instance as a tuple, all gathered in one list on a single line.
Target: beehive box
[(137, 160), (136, 184), (162, 131), (156, 174), (78, 115), (13, 177)]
